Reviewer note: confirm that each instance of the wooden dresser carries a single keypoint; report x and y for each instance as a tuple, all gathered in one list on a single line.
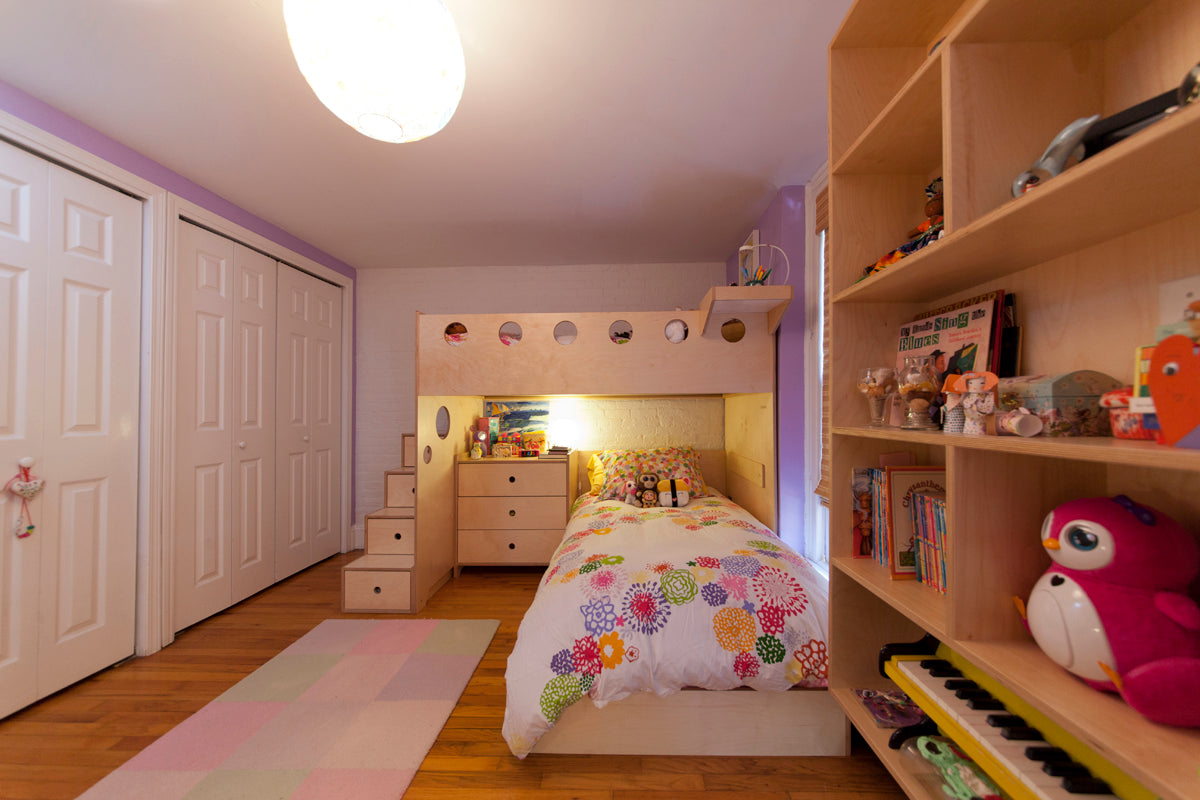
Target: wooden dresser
[(512, 510)]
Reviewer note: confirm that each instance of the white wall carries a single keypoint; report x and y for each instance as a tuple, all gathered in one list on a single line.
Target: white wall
[(387, 302)]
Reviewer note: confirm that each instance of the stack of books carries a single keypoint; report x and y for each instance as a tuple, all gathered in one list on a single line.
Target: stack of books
[(555, 451), (929, 526)]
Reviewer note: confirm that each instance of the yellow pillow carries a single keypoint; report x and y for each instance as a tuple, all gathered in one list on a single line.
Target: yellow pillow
[(595, 472)]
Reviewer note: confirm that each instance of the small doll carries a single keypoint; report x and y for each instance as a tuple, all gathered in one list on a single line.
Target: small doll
[(979, 400), (954, 416)]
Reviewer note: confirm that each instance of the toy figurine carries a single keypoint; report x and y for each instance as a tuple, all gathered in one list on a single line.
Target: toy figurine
[(1113, 607), (979, 400), (954, 417)]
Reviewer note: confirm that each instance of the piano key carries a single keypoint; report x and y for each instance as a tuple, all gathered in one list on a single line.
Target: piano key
[(1042, 752), (1093, 786), (985, 704), (954, 684), (972, 694), (1022, 733), (1004, 720), (1066, 769)]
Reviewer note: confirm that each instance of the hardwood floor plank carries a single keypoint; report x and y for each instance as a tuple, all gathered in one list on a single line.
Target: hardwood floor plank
[(57, 748)]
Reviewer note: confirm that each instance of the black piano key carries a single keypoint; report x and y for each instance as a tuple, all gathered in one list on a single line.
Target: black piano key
[(1066, 769), (940, 668), (985, 704), (1042, 752), (1086, 786), (954, 684), (1021, 733), (1005, 721), (972, 694)]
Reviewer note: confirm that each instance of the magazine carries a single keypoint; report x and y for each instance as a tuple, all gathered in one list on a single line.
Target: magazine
[(959, 338)]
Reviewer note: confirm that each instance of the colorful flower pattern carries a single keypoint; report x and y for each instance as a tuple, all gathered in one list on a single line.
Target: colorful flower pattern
[(758, 610)]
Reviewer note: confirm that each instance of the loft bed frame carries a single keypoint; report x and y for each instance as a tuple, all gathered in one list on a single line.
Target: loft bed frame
[(457, 377)]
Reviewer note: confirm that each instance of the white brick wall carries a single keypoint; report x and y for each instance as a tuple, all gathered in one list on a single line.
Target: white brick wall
[(387, 303)]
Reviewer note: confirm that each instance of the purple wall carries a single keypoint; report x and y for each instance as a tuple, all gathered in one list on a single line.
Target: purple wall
[(782, 225)]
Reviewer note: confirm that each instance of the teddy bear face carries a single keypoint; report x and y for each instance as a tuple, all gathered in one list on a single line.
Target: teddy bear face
[(648, 482)]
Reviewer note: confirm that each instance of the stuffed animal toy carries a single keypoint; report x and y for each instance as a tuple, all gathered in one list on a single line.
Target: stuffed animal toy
[(673, 493), (1113, 608), (647, 491), (630, 493)]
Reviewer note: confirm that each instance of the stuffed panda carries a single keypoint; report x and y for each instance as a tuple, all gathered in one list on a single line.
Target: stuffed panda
[(646, 495), (673, 493)]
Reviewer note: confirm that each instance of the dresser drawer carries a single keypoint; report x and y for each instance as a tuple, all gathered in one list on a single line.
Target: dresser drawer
[(505, 478), (377, 589), (507, 547), (391, 535), (400, 489), (512, 513)]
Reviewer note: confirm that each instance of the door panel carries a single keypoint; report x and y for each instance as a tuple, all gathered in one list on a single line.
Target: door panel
[(24, 208), (90, 445)]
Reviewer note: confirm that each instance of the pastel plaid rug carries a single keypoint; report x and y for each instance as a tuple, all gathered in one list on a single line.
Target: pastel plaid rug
[(348, 711)]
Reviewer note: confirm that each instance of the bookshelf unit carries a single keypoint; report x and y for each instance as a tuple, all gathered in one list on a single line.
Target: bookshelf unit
[(1084, 254)]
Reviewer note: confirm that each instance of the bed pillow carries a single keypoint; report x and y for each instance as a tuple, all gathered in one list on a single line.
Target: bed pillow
[(617, 467)]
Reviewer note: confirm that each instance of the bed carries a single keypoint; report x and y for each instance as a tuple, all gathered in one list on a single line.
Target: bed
[(652, 606)]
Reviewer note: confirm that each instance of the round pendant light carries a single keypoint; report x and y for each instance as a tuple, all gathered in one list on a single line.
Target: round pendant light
[(391, 69)]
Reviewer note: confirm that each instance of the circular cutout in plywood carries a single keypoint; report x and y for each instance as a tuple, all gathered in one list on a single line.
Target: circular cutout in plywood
[(455, 333), (676, 331), (441, 422), (510, 333), (427, 455), (733, 330), (620, 332), (565, 332)]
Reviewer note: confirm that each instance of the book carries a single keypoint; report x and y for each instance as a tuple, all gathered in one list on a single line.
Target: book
[(961, 337), (863, 545), (900, 484), (928, 510)]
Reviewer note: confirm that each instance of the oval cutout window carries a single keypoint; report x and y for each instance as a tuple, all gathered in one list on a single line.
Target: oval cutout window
[(455, 333), (510, 333), (676, 331), (620, 332), (442, 422), (733, 331), (565, 332), (428, 454)]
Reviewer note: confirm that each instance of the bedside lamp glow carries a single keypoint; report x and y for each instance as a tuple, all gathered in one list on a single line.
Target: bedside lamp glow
[(391, 69)]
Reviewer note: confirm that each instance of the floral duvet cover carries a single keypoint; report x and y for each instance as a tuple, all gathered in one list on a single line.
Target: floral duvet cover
[(659, 599)]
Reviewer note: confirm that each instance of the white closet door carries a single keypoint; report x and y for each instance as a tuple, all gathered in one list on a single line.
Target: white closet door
[(307, 422), (253, 524), (69, 399), (225, 456)]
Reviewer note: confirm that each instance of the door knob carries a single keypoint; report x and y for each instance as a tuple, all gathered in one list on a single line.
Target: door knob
[(242, 445), (306, 438)]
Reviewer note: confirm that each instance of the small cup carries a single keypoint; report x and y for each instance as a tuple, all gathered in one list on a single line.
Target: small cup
[(1021, 422)]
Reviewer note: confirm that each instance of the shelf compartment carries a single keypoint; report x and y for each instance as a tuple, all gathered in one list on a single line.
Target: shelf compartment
[(1039, 21), (1156, 173), (897, 763), (1096, 449), (920, 603), (1161, 758)]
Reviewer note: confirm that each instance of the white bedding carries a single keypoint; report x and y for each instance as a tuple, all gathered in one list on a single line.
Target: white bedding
[(660, 599)]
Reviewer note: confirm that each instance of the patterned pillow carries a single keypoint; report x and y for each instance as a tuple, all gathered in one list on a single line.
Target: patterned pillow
[(620, 466)]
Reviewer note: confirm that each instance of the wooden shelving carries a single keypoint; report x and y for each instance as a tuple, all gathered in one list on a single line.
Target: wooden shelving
[(723, 302), (1084, 255)]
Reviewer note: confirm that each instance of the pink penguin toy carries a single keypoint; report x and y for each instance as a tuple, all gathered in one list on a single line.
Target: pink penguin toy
[(1113, 607)]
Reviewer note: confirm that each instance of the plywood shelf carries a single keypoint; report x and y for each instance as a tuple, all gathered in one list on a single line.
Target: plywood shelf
[(725, 302)]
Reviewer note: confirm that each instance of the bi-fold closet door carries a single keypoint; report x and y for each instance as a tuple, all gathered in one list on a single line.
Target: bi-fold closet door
[(70, 287), (258, 445)]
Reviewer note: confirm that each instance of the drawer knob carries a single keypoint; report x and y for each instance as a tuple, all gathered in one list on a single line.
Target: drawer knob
[(398, 536), (378, 590), (512, 512), (512, 478), (512, 545)]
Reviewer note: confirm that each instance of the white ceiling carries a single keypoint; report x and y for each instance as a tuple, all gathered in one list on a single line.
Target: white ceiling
[(589, 132)]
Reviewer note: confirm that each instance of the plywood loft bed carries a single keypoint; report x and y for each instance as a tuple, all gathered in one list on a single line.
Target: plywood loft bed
[(463, 359)]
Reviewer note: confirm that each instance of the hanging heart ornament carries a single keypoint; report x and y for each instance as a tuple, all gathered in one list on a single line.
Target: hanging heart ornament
[(27, 490)]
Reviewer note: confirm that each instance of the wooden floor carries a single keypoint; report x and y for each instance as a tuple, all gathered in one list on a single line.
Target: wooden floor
[(59, 747)]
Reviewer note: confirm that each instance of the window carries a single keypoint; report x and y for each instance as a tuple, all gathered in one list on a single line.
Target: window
[(816, 535)]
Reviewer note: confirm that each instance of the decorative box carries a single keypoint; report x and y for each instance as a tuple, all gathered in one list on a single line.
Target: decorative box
[(1069, 404), (1126, 422)]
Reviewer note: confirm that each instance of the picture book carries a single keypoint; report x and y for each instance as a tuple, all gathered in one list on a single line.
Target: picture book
[(901, 483), (890, 708), (957, 338), (862, 514)]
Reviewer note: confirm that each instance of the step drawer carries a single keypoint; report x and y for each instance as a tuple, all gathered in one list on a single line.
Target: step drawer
[(391, 536), (506, 478), (512, 513), (376, 590), (507, 547), (400, 489)]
